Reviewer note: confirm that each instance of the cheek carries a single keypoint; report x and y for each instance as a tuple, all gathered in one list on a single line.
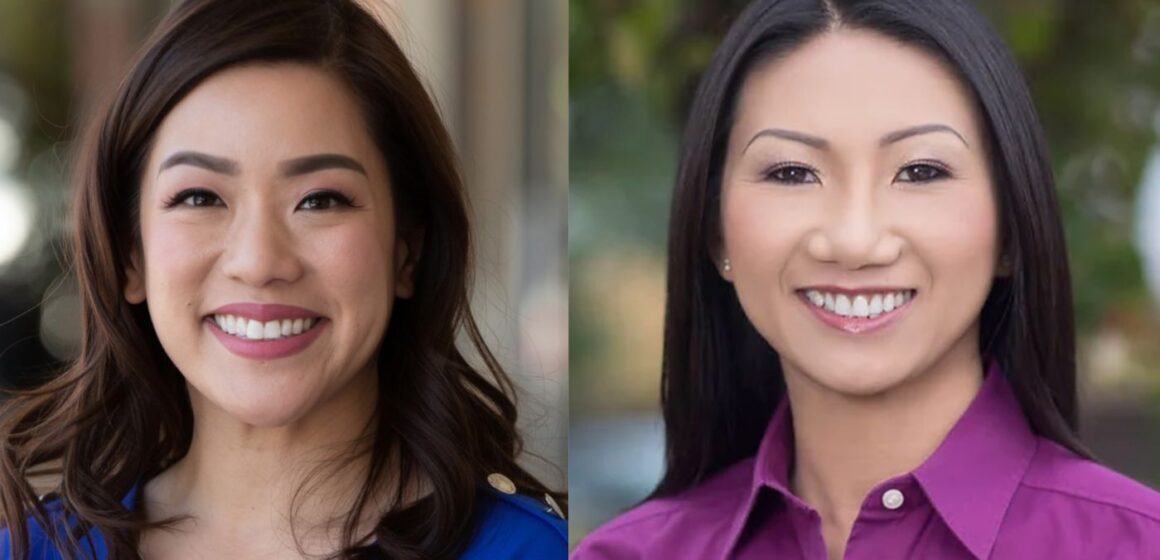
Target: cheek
[(760, 230), (356, 264), (177, 258), (353, 256), (956, 233)]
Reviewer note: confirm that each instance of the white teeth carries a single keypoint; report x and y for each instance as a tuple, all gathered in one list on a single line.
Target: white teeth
[(842, 305), (862, 305), (257, 330)]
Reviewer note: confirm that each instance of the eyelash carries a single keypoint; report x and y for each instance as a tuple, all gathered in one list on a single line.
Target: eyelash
[(941, 172), (180, 199)]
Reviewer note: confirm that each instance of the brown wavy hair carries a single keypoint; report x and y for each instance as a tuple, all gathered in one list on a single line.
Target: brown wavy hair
[(120, 413)]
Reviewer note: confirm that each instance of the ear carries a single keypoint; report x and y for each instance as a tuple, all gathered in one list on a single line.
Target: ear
[(725, 269), (408, 248), (135, 278), (715, 247)]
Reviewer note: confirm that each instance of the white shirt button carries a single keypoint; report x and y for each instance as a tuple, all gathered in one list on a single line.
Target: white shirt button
[(892, 499)]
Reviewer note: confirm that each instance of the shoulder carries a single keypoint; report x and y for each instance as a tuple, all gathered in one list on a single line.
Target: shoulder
[(702, 514), (40, 543), (517, 527), (1085, 506), (1058, 471)]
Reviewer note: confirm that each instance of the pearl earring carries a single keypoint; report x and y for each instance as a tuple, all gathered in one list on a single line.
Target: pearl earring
[(725, 264)]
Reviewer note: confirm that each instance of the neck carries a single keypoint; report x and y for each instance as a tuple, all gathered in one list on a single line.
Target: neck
[(253, 484), (845, 445)]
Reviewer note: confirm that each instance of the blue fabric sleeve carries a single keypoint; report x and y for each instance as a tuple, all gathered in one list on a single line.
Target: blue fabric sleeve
[(40, 544), (511, 528), (517, 527)]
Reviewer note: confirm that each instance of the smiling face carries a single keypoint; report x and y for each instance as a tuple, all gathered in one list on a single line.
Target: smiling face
[(269, 255), (856, 173)]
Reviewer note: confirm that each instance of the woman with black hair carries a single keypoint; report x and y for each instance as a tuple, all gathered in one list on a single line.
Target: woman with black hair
[(273, 252), (869, 343)]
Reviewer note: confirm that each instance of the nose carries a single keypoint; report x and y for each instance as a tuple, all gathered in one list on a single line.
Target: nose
[(855, 232), (260, 250)]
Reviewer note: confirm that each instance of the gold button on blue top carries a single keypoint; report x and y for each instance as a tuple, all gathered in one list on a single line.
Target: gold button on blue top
[(556, 509), (501, 483)]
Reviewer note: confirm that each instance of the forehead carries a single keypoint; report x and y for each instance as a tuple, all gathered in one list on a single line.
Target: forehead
[(853, 83), (267, 112)]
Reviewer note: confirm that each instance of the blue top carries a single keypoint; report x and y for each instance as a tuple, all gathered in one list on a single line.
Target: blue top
[(514, 527)]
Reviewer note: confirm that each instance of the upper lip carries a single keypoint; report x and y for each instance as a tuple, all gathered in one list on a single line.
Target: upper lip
[(265, 311), (855, 291)]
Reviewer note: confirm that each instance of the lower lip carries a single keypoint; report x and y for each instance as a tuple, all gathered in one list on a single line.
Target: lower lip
[(267, 349), (857, 325)]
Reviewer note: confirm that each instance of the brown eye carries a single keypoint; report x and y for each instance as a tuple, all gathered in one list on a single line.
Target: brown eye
[(324, 200), (199, 199), (920, 173), (791, 174), (194, 198)]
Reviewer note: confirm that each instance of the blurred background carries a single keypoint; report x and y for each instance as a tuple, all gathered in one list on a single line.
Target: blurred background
[(1094, 69), (498, 70)]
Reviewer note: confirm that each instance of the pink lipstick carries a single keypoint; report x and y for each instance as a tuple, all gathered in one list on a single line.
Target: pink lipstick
[(265, 331), (857, 325)]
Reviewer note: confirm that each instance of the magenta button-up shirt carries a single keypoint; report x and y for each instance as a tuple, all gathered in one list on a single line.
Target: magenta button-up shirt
[(992, 489)]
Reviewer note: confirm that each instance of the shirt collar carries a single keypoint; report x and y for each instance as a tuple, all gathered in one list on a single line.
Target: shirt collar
[(973, 475), (970, 479), (770, 470)]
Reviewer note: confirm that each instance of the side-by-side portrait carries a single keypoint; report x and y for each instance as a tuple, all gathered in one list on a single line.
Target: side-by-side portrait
[(579, 280)]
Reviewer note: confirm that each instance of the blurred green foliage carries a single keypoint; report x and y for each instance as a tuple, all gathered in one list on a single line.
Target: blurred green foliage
[(42, 51), (34, 52)]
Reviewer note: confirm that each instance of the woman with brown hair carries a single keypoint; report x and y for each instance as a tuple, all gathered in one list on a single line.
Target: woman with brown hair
[(273, 254)]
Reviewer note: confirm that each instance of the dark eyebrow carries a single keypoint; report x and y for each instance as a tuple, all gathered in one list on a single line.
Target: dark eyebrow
[(310, 164), (888, 138), (811, 141), (204, 161), (290, 168), (898, 135)]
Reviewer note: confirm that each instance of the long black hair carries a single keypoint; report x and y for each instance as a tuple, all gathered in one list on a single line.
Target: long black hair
[(120, 413), (720, 379)]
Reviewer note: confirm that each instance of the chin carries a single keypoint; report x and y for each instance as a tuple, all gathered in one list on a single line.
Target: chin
[(855, 380), (864, 387), (275, 415), (270, 410)]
